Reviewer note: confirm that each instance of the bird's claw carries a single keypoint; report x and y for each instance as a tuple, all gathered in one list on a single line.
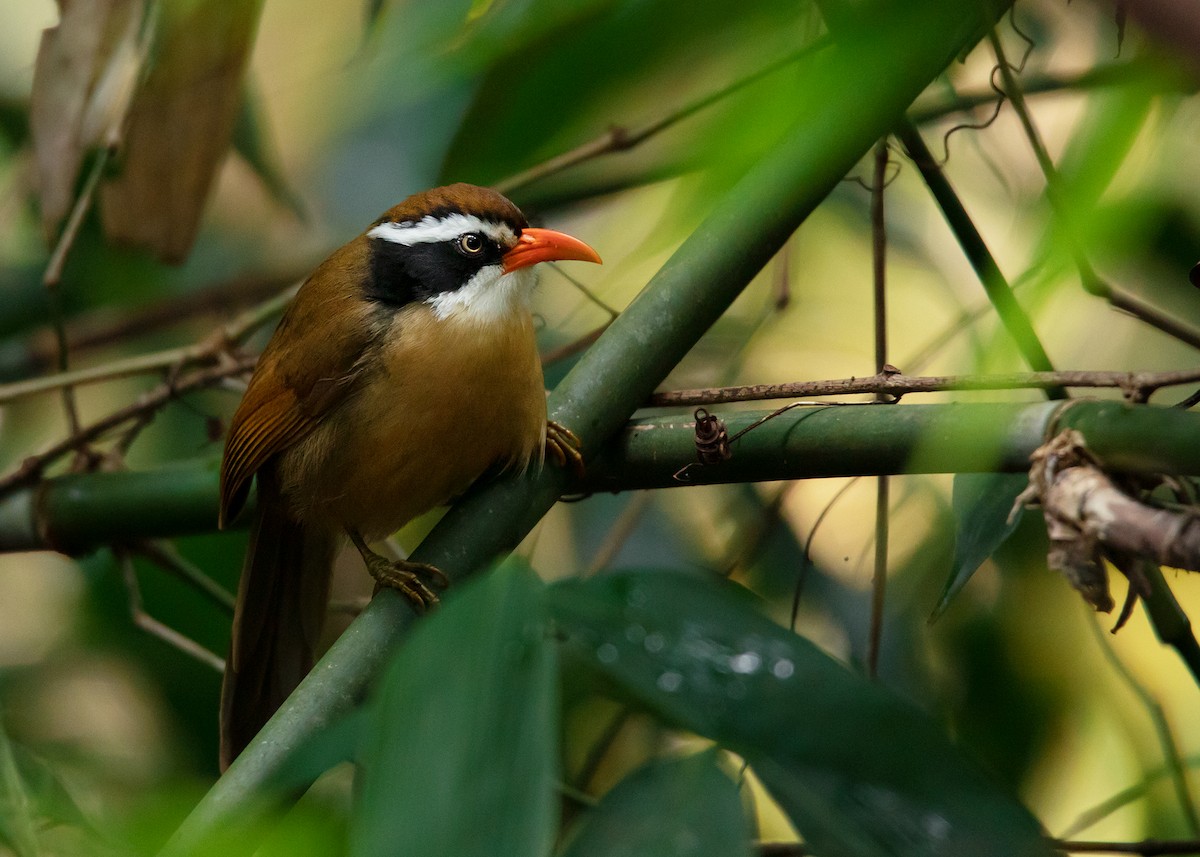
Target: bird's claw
[(565, 447), (414, 580)]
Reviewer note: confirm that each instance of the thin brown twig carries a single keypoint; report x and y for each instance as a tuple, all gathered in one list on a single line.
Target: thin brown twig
[(1138, 385), (879, 277), (1112, 74), (806, 559), (52, 279), (110, 325), (209, 349), (585, 291), (1016, 96), (879, 253), (115, 457), (154, 627), (33, 466), (878, 575), (620, 139), (165, 556)]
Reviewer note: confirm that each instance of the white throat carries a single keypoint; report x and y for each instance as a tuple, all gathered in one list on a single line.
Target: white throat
[(488, 297)]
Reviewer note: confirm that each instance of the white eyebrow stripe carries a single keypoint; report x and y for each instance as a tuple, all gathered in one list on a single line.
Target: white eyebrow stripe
[(430, 229)]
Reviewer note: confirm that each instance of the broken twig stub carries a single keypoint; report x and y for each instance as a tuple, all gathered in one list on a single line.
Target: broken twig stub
[(1090, 519)]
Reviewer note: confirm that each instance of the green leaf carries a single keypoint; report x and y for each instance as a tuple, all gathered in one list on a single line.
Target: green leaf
[(460, 756), (16, 811), (609, 64), (667, 808), (54, 803), (858, 770), (982, 503)]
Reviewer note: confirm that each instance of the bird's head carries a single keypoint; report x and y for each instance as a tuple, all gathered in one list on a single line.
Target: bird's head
[(465, 250)]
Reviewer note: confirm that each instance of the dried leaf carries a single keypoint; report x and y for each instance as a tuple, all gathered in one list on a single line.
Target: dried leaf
[(180, 125), (84, 77)]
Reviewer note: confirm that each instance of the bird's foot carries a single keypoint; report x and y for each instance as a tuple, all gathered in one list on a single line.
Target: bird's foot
[(414, 580), (565, 447)]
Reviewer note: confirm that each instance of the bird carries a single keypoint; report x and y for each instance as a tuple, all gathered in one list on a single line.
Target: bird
[(404, 369)]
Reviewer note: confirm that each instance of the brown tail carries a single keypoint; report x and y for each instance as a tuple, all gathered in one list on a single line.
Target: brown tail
[(281, 606)]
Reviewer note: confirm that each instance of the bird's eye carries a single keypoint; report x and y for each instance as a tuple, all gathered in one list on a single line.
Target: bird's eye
[(470, 244)]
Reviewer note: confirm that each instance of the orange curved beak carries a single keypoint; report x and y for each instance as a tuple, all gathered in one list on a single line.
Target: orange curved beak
[(546, 245)]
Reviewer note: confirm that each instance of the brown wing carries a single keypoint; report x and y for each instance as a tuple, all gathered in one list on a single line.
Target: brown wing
[(307, 368)]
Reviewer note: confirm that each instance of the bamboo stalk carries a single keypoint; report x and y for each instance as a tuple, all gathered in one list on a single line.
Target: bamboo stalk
[(79, 512)]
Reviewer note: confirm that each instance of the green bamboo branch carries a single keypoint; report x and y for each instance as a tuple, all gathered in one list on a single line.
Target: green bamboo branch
[(878, 75), (80, 512), (999, 292)]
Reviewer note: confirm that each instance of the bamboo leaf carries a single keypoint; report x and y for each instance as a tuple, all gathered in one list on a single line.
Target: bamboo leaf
[(45, 789), (858, 770), (576, 81), (982, 503), (16, 812), (465, 727), (668, 808), (180, 125), (83, 80)]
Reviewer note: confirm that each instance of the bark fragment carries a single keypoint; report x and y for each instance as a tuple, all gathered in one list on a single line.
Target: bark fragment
[(1090, 519)]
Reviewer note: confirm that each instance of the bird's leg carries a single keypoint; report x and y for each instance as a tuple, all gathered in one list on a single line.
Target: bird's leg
[(564, 447), (413, 580)]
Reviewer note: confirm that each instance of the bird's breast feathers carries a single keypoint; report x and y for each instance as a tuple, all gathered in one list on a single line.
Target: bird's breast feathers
[(447, 398)]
